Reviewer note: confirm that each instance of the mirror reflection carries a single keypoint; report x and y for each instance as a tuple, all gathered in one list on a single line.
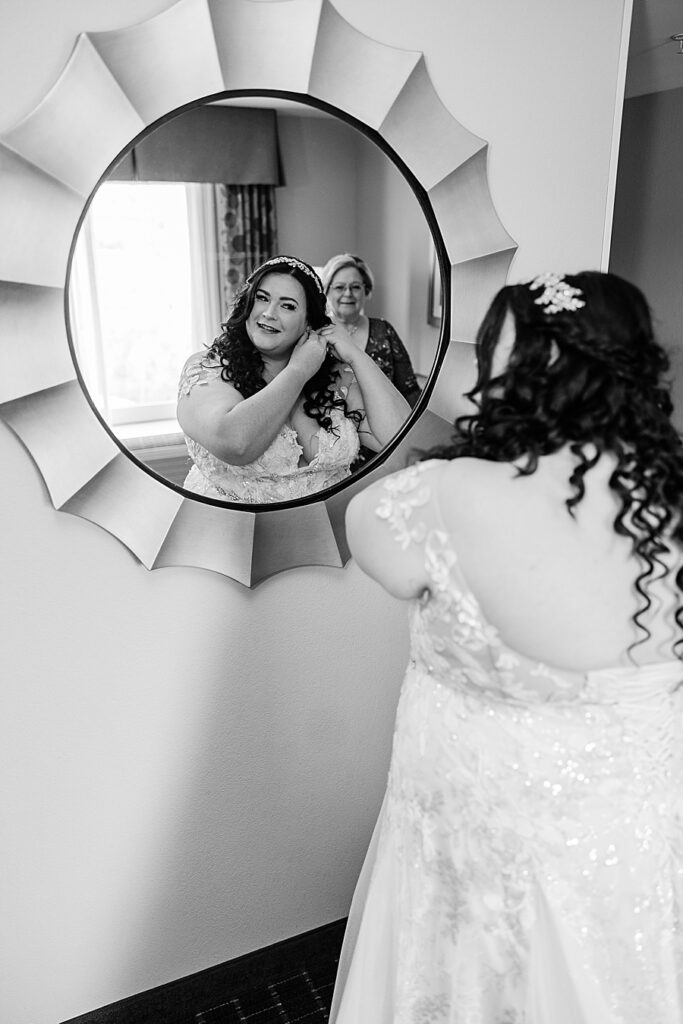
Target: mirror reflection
[(279, 406), (165, 253)]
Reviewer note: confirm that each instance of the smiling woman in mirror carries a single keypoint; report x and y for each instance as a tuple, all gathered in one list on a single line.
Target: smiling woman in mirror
[(348, 283), (279, 404)]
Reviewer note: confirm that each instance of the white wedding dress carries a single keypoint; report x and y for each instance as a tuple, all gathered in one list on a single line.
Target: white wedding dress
[(276, 475), (527, 865)]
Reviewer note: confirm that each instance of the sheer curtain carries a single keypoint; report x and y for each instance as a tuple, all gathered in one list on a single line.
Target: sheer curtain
[(208, 145), (247, 235)]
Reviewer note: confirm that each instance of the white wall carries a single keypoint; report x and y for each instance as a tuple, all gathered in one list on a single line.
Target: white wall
[(393, 236), (192, 770), (317, 207), (648, 216)]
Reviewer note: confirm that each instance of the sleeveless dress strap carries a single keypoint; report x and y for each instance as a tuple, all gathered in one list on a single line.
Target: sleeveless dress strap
[(196, 372), (402, 505), (411, 508)]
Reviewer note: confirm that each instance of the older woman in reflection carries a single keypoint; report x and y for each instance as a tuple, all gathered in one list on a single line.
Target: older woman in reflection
[(279, 404), (348, 283)]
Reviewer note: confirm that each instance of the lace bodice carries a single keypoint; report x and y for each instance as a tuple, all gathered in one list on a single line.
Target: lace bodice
[(528, 862), (450, 635), (276, 475)]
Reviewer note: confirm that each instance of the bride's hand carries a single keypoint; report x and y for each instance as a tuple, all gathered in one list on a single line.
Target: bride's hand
[(340, 343), (308, 353)]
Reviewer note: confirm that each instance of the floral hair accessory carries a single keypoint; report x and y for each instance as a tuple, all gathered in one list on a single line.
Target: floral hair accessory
[(557, 294), (292, 262)]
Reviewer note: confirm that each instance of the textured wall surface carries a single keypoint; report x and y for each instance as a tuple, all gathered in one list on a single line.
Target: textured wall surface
[(648, 216)]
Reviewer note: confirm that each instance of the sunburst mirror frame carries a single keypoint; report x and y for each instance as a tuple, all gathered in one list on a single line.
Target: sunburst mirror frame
[(114, 85)]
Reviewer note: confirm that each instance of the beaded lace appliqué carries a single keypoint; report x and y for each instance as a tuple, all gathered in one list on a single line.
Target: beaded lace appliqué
[(450, 633), (397, 506), (196, 372)]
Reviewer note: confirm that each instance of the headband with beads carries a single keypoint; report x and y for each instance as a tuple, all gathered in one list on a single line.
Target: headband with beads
[(292, 262), (557, 294)]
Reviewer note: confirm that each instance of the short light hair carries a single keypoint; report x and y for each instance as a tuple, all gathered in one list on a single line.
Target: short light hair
[(340, 262)]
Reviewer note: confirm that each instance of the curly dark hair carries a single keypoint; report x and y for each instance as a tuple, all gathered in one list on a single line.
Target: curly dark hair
[(593, 379), (242, 364)]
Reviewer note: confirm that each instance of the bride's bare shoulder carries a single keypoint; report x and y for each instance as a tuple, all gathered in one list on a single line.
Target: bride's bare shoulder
[(470, 472), (472, 491)]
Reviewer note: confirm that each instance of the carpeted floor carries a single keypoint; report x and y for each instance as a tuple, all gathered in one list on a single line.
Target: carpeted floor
[(291, 983)]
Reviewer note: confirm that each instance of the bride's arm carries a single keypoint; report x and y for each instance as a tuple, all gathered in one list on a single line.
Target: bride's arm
[(385, 409), (236, 429)]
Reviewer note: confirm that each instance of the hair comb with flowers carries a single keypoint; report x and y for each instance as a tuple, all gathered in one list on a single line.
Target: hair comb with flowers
[(557, 294), (292, 262)]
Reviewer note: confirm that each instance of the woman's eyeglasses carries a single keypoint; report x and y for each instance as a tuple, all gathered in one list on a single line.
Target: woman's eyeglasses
[(355, 289)]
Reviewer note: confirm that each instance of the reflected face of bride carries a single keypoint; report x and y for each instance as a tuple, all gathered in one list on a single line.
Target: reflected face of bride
[(278, 316)]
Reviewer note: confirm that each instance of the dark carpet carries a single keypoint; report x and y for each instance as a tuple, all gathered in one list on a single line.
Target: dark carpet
[(300, 994)]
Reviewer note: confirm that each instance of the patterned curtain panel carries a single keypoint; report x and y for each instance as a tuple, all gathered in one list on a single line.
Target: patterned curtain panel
[(246, 233)]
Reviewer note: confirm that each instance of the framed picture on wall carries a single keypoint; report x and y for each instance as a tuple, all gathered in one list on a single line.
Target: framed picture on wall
[(434, 308)]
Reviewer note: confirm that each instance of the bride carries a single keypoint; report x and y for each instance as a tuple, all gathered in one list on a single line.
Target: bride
[(278, 405), (527, 866)]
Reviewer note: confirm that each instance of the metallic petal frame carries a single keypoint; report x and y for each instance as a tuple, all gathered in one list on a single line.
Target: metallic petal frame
[(114, 85)]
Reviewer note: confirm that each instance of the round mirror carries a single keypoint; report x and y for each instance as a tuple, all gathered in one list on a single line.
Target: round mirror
[(188, 212)]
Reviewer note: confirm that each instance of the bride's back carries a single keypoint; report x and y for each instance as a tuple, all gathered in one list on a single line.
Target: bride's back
[(567, 368), (559, 589)]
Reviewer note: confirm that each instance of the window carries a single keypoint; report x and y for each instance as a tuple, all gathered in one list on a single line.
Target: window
[(143, 294)]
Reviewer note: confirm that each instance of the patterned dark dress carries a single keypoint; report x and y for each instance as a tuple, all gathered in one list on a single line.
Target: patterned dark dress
[(388, 351)]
